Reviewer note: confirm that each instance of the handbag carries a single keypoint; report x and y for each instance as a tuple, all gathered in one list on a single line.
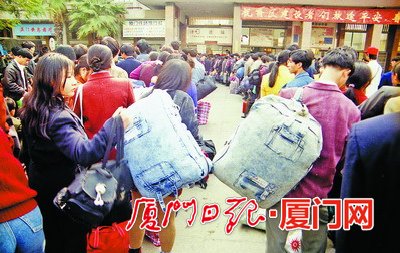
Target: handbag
[(161, 153), (205, 86), (108, 239), (95, 190)]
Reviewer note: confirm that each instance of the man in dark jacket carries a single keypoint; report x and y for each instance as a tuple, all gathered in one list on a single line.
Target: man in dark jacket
[(15, 80), (129, 63), (371, 171)]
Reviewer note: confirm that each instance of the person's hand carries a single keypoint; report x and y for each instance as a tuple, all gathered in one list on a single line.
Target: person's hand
[(126, 120)]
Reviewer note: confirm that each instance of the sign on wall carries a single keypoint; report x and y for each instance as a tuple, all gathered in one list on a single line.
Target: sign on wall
[(266, 37), (311, 14), (144, 28), (34, 30), (201, 35)]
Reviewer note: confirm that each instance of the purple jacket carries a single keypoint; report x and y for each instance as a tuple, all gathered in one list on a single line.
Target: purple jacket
[(336, 114)]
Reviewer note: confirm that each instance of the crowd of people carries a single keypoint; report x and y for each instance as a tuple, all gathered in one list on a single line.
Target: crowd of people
[(59, 106)]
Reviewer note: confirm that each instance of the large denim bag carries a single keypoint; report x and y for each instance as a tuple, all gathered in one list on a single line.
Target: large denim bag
[(161, 153), (271, 150)]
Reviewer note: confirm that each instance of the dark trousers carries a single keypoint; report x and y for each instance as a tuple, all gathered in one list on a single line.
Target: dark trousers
[(62, 234)]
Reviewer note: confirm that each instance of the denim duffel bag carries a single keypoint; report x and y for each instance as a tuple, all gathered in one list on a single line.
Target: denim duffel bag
[(272, 149), (161, 153)]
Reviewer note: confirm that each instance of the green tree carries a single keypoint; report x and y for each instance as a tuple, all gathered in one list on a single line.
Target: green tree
[(18, 9), (96, 18), (57, 10)]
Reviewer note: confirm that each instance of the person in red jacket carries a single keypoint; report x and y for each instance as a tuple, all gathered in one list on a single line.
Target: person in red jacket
[(102, 93), (21, 223)]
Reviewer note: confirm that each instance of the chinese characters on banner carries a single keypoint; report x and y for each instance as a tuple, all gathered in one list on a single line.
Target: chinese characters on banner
[(296, 213), (34, 30), (144, 28), (199, 35), (328, 15)]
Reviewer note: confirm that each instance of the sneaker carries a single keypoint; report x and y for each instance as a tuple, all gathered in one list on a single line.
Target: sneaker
[(153, 236)]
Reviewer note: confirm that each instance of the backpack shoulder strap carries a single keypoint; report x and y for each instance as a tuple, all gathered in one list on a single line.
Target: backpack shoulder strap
[(298, 95)]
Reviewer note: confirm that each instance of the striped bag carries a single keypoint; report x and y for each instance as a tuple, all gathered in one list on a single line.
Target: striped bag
[(203, 109)]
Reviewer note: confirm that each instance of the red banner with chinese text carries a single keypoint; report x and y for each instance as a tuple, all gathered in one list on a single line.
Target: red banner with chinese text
[(328, 15)]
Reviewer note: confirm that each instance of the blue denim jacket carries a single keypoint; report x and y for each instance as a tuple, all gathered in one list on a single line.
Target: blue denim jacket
[(300, 80)]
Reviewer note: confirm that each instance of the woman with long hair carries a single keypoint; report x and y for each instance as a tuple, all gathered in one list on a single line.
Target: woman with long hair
[(279, 75), (55, 145)]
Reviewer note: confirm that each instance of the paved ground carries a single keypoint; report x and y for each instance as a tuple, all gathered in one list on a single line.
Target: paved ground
[(224, 116)]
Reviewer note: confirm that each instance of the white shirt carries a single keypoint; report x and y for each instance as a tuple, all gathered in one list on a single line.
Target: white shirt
[(21, 69), (376, 73)]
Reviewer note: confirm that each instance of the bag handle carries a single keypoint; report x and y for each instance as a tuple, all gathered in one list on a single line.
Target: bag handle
[(298, 95), (117, 132), (79, 95)]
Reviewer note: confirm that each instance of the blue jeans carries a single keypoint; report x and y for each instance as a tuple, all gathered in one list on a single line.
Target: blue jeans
[(23, 234)]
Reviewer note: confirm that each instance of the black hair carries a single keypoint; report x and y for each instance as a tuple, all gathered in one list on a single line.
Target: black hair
[(174, 75), (99, 57), (293, 47), (143, 45), (175, 45), (127, 49), (361, 76), (167, 48), (28, 44), (80, 49), (255, 56), (396, 59), (11, 105), (82, 62), (338, 57), (153, 56), (25, 53), (15, 49), (283, 57), (303, 56), (49, 78), (66, 50), (112, 44)]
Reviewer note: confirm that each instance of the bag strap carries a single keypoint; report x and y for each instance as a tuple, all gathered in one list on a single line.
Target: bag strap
[(79, 95), (298, 95), (115, 132)]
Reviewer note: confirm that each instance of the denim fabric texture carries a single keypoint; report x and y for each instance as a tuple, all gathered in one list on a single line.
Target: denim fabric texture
[(271, 150), (300, 80), (23, 234), (161, 153)]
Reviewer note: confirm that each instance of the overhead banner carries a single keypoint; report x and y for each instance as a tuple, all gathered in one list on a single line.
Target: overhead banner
[(34, 30), (144, 28), (330, 15)]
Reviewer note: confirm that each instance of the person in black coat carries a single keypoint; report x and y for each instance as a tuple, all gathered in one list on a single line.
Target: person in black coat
[(16, 79), (55, 146), (371, 170)]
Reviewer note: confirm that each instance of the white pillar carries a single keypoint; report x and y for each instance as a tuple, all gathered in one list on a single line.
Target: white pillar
[(376, 35), (169, 23), (237, 29), (306, 35)]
